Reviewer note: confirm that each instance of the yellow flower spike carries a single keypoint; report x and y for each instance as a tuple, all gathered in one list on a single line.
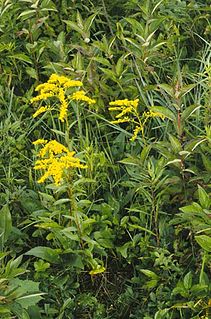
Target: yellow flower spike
[(80, 96), (56, 87), (39, 141), (42, 97), (136, 131), (41, 110), (72, 83), (125, 102), (53, 148), (46, 87), (55, 160), (64, 105), (123, 120)]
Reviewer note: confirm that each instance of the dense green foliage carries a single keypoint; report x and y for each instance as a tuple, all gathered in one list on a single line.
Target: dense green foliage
[(142, 208)]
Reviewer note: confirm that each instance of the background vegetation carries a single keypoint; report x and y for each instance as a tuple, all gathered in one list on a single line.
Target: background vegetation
[(143, 206)]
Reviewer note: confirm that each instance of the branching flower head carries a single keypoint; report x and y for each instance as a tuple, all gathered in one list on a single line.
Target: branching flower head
[(128, 113), (56, 87), (55, 160)]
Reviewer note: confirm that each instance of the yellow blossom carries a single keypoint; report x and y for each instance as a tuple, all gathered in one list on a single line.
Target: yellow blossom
[(41, 110), (122, 120), (130, 108), (39, 141), (72, 83), (136, 131), (55, 160), (53, 148), (125, 102), (56, 87), (64, 105), (153, 114), (41, 97), (80, 96)]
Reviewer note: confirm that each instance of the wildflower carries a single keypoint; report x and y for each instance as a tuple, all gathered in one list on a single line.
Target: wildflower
[(56, 87), (80, 96), (54, 160), (128, 113)]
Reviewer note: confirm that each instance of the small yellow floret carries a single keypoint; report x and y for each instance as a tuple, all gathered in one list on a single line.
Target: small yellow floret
[(39, 141), (136, 132), (125, 102), (72, 83), (41, 110), (123, 120), (153, 114), (80, 96)]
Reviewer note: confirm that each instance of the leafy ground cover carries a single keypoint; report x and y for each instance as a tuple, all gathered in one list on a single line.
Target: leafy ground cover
[(105, 159)]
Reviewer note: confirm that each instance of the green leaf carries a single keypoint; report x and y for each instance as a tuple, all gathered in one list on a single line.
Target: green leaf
[(161, 313), (5, 225), (61, 201), (102, 61), (167, 88), (189, 111), (188, 280), (204, 241), (204, 198), (123, 249), (21, 57), (149, 274), (46, 253), (164, 111)]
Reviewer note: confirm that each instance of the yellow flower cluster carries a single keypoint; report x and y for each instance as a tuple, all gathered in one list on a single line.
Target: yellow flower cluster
[(126, 102), (41, 110), (129, 114), (153, 114), (56, 87), (80, 96), (54, 160)]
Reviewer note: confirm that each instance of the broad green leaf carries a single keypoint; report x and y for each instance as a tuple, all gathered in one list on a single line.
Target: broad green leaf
[(204, 241), (46, 253), (149, 274), (61, 201), (204, 198), (102, 61)]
